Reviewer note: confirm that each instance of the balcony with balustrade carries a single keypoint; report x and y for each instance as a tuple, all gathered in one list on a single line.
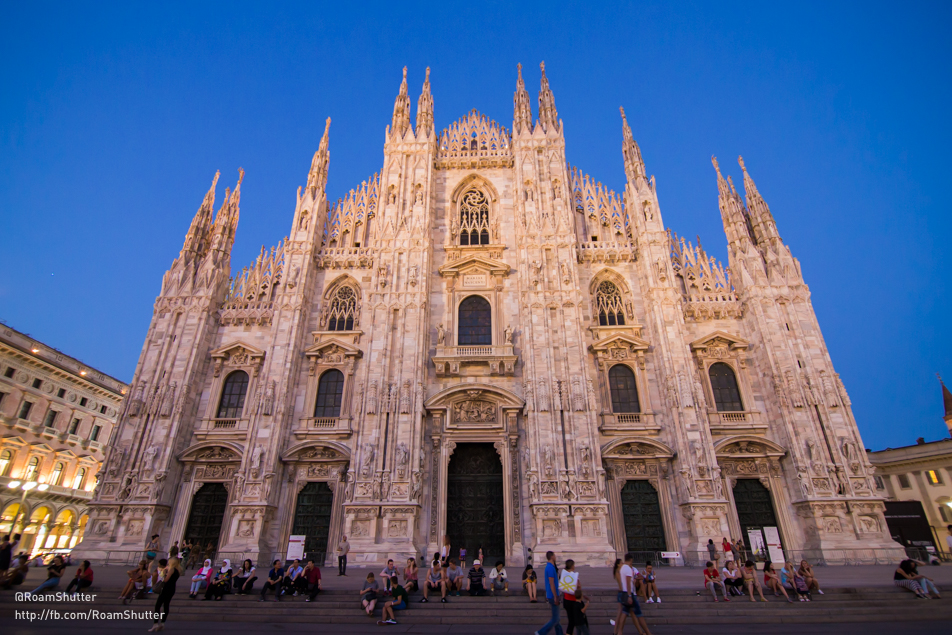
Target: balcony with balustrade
[(736, 422), (221, 428), (322, 427), (453, 360), (615, 423)]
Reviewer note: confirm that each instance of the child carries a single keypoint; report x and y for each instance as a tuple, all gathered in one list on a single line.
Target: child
[(368, 594), (581, 617), (651, 585), (462, 557)]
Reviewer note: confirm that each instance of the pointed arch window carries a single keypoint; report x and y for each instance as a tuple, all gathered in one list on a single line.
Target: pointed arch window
[(344, 311), (232, 401), (474, 218), (330, 391), (724, 387), (608, 305), (475, 322), (621, 381)]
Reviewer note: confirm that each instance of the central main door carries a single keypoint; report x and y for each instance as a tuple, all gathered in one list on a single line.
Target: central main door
[(204, 520), (312, 519), (755, 509), (644, 531), (474, 502)]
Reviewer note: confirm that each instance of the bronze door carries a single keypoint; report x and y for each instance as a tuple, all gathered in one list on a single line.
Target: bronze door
[(754, 506), (206, 515), (312, 519), (474, 502), (644, 530)]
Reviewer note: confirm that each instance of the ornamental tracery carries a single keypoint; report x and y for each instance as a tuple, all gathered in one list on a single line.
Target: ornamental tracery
[(474, 218), (343, 312), (609, 307)]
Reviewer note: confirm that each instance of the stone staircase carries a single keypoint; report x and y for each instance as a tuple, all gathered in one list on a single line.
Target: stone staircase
[(679, 606)]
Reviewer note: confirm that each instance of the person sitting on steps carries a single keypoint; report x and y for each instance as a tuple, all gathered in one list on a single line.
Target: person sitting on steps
[(410, 574), (312, 579), (221, 584), (477, 579), (499, 579), (244, 579), (83, 579), (807, 572), (368, 594), (454, 577), (398, 603), (435, 579), (290, 583), (772, 580), (750, 581), (651, 585), (530, 582), (275, 578), (732, 578), (712, 580)]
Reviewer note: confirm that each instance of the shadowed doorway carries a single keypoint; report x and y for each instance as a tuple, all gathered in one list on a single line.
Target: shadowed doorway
[(474, 502)]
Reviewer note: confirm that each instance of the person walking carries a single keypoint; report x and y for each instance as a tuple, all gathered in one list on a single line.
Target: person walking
[(343, 548), (173, 551), (173, 571), (740, 549), (445, 551), (550, 580), (83, 579), (712, 550), (627, 598), (568, 582), (530, 581), (581, 618), (275, 577), (462, 557), (435, 579)]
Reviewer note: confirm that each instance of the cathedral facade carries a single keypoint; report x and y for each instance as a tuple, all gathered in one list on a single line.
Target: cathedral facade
[(483, 343)]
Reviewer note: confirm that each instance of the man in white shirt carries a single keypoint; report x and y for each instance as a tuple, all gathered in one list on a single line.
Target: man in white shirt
[(627, 575)]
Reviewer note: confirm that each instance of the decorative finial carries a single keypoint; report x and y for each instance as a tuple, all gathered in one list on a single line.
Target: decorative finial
[(427, 74), (241, 175), (716, 166), (542, 66), (519, 70), (622, 109), (327, 125), (740, 160), (404, 73)]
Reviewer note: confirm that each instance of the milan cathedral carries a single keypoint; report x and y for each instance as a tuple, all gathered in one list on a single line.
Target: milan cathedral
[(483, 344)]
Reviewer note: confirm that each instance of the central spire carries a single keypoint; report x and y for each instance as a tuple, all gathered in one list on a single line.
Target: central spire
[(317, 177), (548, 115), (630, 149), (424, 113), (401, 109), (521, 110)]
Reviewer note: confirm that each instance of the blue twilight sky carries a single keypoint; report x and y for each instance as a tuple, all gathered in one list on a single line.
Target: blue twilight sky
[(113, 119)]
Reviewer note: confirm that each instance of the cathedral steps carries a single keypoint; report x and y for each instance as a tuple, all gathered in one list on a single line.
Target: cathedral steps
[(680, 606)]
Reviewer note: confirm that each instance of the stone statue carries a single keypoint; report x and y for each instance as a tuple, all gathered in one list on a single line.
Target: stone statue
[(367, 458), (168, 400), (403, 457), (533, 487), (508, 334), (592, 401), (547, 460), (440, 334), (416, 486), (148, 459), (528, 392), (413, 275), (372, 398), (256, 457), (267, 406)]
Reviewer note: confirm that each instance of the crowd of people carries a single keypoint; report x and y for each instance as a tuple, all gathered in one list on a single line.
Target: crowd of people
[(446, 576)]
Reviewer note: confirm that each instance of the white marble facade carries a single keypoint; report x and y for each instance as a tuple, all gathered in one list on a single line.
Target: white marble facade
[(578, 279)]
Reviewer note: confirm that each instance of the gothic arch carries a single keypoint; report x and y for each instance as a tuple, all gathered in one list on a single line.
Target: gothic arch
[(341, 280), (479, 182), (612, 276), (505, 398)]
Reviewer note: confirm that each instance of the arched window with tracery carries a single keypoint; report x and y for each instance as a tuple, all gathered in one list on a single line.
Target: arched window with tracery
[(343, 312), (608, 305), (474, 218), (475, 322), (724, 387), (330, 390), (621, 381), (232, 402)]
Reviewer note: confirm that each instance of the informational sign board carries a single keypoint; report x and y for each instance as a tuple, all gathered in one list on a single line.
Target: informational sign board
[(670, 554), (757, 545), (296, 547), (774, 549)]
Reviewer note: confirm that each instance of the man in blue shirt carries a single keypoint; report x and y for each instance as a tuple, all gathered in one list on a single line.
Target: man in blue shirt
[(551, 582), (275, 576)]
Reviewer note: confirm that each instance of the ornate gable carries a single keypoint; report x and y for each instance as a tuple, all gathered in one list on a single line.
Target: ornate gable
[(238, 354), (331, 351), (620, 347), (718, 344), (475, 270)]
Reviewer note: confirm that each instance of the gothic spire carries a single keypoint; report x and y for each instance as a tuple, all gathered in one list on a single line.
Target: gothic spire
[(317, 177), (424, 113), (521, 109), (630, 149), (401, 109), (198, 231), (761, 218), (226, 221), (733, 213), (946, 402), (548, 115)]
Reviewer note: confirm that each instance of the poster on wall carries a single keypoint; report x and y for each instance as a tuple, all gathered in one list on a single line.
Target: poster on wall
[(774, 549), (757, 545), (296, 547)]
